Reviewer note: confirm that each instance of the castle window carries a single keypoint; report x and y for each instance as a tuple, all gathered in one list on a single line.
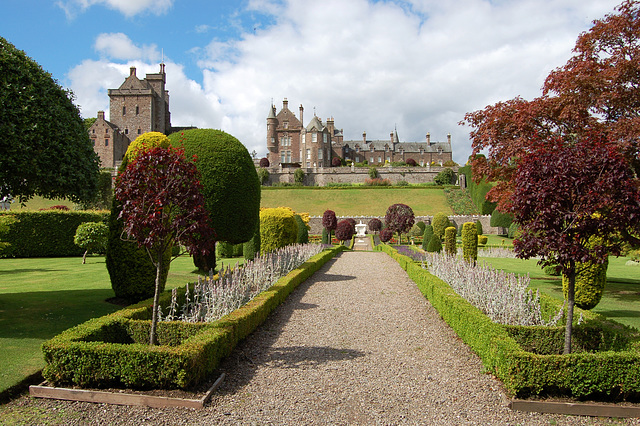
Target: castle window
[(288, 153), (94, 130), (137, 110), (273, 140), (357, 159), (324, 138), (106, 142), (371, 148), (282, 157), (320, 153), (308, 154), (285, 124), (379, 159), (124, 110), (126, 131), (106, 130), (314, 137), (139, 131), (372, 159)]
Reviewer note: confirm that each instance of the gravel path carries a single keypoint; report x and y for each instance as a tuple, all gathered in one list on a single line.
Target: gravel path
[(355, 344)]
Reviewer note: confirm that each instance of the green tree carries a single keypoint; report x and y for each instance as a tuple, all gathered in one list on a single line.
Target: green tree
[(426, 237), (92, 237), (450, 241), (470, 242), (440, 222), (45, 149), (298, 177)]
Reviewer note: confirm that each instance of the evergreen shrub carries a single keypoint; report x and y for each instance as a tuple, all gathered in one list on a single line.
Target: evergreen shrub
[(298, 177), (426, 236), (440, 222), (303, 232), (501, 220), (435, 245), (263, 176), (278, 228), (251, 248), (482, 239), (479, 227), (470, 242), (325, 236), (445, 177), (591, 279), (450, 241)]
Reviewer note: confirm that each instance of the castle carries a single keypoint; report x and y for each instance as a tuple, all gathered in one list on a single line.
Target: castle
[(136, 107), (291, 144)]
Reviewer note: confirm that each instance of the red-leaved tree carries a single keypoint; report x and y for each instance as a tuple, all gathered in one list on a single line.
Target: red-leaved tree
[(162, 205), (596, 91), (564, 195), (385, 235), (400, 219), (344, 230), (329, 221), (375, 225)]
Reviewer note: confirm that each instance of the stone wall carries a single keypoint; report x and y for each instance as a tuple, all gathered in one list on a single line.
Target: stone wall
[(316, 222), (321, 176)]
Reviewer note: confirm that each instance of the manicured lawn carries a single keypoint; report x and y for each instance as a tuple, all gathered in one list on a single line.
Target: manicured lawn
[(621, 298), (40, 297), (357, 201)]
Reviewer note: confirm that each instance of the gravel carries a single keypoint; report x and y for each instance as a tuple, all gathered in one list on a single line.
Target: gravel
[(355, 344)]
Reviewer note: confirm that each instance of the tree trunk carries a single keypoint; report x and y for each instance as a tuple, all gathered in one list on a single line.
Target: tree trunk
[(570, 303), (84, 257), (153, 339)]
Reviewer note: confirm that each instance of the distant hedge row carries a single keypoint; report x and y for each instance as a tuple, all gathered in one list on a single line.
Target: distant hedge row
[(47, 233), (478, 191)]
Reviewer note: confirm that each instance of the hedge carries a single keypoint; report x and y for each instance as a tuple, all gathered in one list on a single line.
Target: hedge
[(47, 233), (108, 350), (613, 374)]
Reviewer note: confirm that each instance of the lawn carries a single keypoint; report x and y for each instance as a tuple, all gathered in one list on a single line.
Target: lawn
[(357, 201), (621, 295), (40, 297)]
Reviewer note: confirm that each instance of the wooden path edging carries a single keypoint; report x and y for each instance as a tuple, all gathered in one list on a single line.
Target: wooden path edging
[(575, 409), (41, 391)]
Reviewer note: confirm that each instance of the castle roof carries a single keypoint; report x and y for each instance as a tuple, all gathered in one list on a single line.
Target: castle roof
[(315, 124)]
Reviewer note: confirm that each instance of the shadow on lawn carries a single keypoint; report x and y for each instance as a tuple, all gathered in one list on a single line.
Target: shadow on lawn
[(43, 314), (257, 349), (28, 271)]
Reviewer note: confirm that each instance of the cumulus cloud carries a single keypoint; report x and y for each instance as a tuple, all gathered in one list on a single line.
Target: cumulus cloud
[(128, 8), (119, 46), (417, 65)]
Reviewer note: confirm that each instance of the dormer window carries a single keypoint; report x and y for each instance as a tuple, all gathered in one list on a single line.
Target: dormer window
[(285, 124)]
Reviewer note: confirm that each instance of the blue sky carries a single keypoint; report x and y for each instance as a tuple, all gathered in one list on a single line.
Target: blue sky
[(418, 65)]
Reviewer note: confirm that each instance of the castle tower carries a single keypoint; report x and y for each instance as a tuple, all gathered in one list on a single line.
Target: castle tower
[(272, 136)]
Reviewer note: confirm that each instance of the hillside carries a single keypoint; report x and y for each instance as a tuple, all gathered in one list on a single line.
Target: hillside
[(356, 201)]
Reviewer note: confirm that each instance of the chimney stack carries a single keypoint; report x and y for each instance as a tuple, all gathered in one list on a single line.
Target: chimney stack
[(449, 138), (301, 115), (100, 115), (429, 139), (132, 71), (364, 137), (285, 104), (391, 134)]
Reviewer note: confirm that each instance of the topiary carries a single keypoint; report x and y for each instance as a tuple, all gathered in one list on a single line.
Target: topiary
[(482, 239), (470, 242), (411, 162), (132, 274), (336, 162), (278, 228), (421, 225), (91, 236), (416, 231), (329, 221), (237, 250), (344, 230), (590, 282), (251, 248), (231, 187), (435, 245), (303, 232), (385, 235), (479, 227), (426, 236), (440, 222), (325, 236), (298, 176), (450, 241), (375, 225)]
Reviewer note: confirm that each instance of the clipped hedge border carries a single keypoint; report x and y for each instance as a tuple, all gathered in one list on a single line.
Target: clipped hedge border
[(103, 351), (614, 375), (47, 233)]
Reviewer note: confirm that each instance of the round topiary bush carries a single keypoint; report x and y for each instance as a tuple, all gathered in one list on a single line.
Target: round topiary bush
[(450, 241), (470, 242), (278, 228), (435, 245), (375, 225), (440, 222), (230, 182), (329, 221), (91, 236), (482, 240), (344, 230), (264, 162), (385, 235), (132, 274)]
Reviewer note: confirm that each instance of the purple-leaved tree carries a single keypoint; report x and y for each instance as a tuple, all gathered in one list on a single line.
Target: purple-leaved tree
[(564, 195), (162, 205), (400, 219), (344, 230), (329, 222)]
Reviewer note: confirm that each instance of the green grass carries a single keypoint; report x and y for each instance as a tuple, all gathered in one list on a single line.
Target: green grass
[(621, 295), (41, 297), (37, 203), (357, 201)]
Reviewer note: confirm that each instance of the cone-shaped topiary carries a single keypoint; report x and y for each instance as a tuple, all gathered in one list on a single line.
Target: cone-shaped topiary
[(590, 282), (479, 227), (278, 228), (426, 237), (450, 241), (470, 242), (303, 232), (435, 245), (230, 183), (131, 271)]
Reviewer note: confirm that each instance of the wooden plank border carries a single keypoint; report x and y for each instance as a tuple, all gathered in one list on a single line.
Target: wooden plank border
[(117, 398), (575, 409)]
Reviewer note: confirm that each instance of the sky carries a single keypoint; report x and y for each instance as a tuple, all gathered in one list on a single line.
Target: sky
[(373, 65)]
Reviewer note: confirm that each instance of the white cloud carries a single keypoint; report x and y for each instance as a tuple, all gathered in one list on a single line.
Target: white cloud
[(120, 47), (420, 65), (128, 8)]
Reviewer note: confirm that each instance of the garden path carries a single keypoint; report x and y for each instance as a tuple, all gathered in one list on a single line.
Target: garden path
[(356, 343)]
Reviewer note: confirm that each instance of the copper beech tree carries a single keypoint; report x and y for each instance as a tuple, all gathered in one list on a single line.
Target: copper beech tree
[(162, 205), (571, 201), (596, 91)]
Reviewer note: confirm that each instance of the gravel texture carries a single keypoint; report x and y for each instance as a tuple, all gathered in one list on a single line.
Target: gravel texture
[(355, 344)]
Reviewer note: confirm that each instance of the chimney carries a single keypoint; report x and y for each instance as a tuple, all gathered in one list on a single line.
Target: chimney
[(100, 115), (364, 137), (391, 134), (301, 112), (162, 68), (429, 139), (132, 71), (285, 104), (449, 138)]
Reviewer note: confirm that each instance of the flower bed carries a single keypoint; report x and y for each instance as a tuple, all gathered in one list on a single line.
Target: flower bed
[(112, 350), (613, 373)]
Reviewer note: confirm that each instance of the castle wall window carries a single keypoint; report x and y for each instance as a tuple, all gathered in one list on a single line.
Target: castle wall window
[(273, 140), (139, 131), (320, 153), (288, 156), (124, 110), (126, 131), (314, 137), (282, 157), (106, 142), (137, 110), (324, 138), (308, 154), (357, 159), (379, 159), (371, 160), (285, 124)]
